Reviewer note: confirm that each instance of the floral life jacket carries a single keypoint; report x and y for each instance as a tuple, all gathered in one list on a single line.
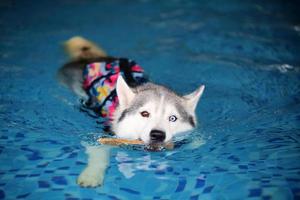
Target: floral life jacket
[(100, 79)]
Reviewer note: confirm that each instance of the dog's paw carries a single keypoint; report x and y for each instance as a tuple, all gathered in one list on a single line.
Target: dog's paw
[(89, 179)]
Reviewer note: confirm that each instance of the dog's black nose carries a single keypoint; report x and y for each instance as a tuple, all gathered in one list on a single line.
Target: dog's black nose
[(157, 136)]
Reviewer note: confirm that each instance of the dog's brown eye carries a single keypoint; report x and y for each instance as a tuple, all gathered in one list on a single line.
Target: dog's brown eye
[(145, 114)]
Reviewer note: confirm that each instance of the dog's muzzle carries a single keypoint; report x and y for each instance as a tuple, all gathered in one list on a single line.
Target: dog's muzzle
[(157, 136)]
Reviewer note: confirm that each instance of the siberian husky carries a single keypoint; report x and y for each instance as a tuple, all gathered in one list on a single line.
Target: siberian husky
[(118, 90)]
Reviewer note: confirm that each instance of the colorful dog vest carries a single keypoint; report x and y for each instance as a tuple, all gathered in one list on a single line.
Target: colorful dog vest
[(100, 79)]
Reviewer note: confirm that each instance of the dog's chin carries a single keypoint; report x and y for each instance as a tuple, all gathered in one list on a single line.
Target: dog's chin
[(155, 146)]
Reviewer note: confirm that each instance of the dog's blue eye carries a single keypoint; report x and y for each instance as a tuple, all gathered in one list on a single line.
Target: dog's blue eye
[(172, 118)]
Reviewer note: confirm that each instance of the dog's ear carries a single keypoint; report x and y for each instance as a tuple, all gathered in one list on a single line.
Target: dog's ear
[(193, 98), (125, 94)]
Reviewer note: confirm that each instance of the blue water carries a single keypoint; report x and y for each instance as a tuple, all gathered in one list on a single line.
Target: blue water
[(245, 52)]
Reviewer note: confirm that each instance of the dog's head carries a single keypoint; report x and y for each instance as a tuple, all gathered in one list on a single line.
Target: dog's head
[(153, 113)]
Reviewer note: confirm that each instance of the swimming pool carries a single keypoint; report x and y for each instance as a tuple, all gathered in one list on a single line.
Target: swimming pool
[(246, 53)]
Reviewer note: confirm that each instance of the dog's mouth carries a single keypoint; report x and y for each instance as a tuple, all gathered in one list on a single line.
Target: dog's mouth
[(155, 147), (159, 146)]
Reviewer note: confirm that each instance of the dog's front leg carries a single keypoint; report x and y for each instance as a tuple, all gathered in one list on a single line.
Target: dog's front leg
[(98, 160)]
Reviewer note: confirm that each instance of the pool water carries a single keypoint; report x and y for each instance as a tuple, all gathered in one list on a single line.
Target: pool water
[(245, 52)]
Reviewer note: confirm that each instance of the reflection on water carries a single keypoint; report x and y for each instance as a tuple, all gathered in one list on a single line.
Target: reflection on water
[(246, 53)]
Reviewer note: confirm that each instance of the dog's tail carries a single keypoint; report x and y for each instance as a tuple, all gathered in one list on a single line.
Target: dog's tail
[(80, 48)]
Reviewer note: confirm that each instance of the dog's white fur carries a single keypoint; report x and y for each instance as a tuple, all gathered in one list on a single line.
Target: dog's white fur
[(160, 108), (157, 100), (93, 174)]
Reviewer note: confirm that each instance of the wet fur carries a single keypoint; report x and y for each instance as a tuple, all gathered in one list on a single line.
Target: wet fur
[(131, 100)]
